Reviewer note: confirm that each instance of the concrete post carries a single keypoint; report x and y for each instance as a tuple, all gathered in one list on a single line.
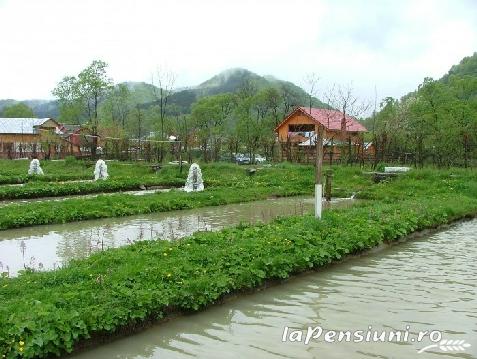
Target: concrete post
[(318, 200), (318, 171)]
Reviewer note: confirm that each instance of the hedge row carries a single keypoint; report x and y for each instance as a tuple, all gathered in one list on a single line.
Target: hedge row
[(51, 312)]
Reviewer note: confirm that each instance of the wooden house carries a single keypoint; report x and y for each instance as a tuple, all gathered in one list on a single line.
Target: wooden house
[(342, 135), (33, 137), (25, 137)]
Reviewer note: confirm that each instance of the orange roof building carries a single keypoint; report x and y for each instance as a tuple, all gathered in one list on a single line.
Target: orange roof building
[(297, 134), (305, 123)]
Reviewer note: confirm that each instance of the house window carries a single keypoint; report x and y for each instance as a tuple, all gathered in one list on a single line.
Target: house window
[(301, 128)]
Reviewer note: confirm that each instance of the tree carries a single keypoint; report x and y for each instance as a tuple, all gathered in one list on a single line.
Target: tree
[(465, 89), (19, 110), (437, 123), (70, 100), (210, 115), (312, 86), (83, 94), (248, 116), (118, 105), (343, 99), (162, 88)]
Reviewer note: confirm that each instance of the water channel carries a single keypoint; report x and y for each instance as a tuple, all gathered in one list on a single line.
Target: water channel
[(428, 284), (51, 246)]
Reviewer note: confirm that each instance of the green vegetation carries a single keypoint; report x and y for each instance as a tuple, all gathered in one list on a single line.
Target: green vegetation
[(234, 111), (39, 189), (18, 110), (36, 213), (49, 313), (237, 110), (435, 124), (40, 108), (14, 172), (225, 183)]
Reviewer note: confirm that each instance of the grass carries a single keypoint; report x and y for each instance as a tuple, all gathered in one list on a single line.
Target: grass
[(39, 190), (49, 313), (225, 183), (71, 168)]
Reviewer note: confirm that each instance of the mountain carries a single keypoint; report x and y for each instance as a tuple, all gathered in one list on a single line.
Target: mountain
[(227, 81), (232, 80), (41, 108)]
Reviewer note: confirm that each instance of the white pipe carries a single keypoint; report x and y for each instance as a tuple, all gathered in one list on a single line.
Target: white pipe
[(318, 200)]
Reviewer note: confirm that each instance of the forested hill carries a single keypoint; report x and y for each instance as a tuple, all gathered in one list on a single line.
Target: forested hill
[(467, 67), (436, 123), (41, 108), (225, 82), (233, 80)]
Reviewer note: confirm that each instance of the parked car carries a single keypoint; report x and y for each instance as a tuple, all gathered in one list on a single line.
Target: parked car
[(242, 159), (260, 159)]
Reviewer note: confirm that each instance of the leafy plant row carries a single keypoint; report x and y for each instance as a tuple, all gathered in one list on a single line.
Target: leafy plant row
[(38, 190), (119, 205), (49, 313), (18, 179)]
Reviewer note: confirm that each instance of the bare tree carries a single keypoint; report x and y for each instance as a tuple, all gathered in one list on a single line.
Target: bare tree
[(343, 99), (162, 82), (311, 81)]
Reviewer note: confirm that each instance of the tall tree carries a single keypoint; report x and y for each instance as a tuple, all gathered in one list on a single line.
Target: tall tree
[(70, 100), (87, 90), (163, 82), (210, 115)]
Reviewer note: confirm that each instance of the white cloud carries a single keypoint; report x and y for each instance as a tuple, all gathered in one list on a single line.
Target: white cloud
[(390, 44)]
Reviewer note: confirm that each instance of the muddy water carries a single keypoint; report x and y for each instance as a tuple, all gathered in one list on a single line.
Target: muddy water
[(82, 196), (429, 284), (47, 247)]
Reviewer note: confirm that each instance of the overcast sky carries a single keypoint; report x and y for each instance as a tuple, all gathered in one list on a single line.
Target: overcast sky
[(392, 45)]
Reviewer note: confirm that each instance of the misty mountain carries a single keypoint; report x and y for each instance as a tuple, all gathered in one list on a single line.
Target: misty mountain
[(230, 81), (181, 101)]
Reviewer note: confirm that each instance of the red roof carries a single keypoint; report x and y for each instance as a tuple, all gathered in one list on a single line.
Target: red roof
[(330, 119)]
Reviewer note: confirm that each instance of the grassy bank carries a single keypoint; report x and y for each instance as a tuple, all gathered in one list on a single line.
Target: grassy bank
[(38, 190), (49, 313), (15, 171), (225, 184), (119, 205)]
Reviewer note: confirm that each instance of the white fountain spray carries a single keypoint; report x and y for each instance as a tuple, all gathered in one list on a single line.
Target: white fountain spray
[(35, 168), (194, 181), (100, 170)]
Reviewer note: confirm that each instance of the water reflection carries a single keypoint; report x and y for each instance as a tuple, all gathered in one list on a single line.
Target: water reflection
[(428, 284), (54, 245)]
